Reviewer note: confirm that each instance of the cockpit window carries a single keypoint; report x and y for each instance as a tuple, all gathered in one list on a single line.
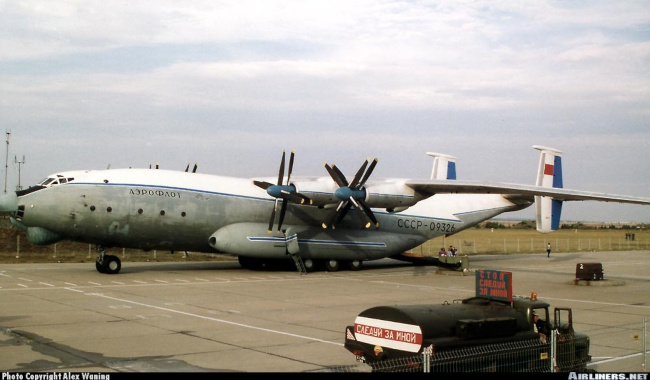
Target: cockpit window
[(46, 181), (51, 181)]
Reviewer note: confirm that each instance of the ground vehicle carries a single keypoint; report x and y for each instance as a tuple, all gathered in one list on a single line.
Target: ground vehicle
[(401, 332)]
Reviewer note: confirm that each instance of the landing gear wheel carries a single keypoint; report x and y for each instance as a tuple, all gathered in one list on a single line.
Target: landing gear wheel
[(355, 264), (112, 264), (100, 267), (310, 265), (253, 263), (245, 262), (332, 265)]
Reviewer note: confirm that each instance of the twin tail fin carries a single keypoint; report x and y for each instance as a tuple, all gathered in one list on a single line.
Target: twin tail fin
[(549, 174)]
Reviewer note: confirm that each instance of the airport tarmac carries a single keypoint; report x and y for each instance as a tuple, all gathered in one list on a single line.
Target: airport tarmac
[(219, 317)]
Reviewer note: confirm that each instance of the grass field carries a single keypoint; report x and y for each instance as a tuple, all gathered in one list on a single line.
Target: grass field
[(523, 241)]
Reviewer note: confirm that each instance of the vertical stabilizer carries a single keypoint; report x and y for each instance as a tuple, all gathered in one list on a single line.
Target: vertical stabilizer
[(444, 166), (549, 174)]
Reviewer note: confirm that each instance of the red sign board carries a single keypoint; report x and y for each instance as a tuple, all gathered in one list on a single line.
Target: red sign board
[(494, 284)]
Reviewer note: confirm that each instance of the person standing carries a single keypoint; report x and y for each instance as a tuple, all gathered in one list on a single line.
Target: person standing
[(548, 250)]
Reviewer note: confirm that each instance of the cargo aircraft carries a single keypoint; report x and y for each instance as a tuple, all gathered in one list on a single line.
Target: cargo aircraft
[(328, 221)]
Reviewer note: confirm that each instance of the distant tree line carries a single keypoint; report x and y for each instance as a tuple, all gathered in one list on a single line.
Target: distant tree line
[(529, 224), (577, 226)]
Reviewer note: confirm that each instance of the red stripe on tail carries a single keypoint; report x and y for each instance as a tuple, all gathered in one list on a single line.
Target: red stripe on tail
[(548, 169)]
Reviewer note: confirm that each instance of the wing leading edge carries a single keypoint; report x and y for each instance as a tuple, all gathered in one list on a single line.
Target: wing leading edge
[(524, 192)]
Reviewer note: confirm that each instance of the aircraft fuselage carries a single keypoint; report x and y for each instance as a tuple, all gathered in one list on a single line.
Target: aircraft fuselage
[(180, 211)]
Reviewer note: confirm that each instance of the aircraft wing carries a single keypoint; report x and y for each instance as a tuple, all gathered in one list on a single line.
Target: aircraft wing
[(431, 187)]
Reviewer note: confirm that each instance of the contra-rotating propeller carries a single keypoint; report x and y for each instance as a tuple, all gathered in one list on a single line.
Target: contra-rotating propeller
[(281, 191), (351, 194)]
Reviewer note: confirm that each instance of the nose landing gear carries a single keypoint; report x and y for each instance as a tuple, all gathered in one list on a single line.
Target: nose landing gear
[(108, 264)]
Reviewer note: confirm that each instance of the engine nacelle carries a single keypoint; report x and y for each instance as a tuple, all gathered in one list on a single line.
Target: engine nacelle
[(390, 195), (319, 190), (393, 196), (249, 239)]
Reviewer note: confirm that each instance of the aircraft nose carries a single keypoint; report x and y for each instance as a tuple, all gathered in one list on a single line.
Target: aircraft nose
[(8, 202)]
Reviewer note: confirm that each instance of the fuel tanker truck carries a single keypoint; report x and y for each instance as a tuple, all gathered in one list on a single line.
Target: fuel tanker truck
[(479, 334)]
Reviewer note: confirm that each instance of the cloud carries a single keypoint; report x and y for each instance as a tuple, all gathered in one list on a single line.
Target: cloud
[(87, 82)]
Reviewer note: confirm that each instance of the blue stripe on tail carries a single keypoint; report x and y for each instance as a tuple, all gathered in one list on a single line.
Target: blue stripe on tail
[(556, 206), (556, 210), (451, 170), (557, 172)]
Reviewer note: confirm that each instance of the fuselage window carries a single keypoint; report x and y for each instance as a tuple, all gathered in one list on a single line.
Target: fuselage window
[(92, 208), (140, 211), (162, 212), (109, 209), (183, 214)]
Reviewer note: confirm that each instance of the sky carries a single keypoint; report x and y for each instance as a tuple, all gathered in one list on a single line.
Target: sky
[(229, 85)]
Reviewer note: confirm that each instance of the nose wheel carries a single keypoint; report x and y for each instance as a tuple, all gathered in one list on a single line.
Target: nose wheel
[(108, 264)]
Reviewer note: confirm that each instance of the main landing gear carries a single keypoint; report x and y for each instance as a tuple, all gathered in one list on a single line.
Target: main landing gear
[(108, 264), (305, 266), (332, 265)]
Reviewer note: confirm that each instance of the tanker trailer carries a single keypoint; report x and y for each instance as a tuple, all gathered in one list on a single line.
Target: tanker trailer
[(501, 334)]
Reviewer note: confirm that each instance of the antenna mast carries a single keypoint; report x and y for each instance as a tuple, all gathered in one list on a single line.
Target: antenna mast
[(19, 163), (7, 161)]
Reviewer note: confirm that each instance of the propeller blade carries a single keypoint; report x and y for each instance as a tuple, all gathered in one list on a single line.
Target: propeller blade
[(293, 197), (356, 206), (368, 213), (332, 216), (281, 173), (275, 206), (352, 194), (263, 184), (290, 167), (337, 215), (187, 168), (341, 214), (357, 176), (335, 176), (286, 193), (341, 176), (283, 210), (368, 172), (195, 167), (305, 199)]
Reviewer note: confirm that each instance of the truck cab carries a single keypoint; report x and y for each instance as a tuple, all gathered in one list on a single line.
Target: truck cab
[(531, 306)]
